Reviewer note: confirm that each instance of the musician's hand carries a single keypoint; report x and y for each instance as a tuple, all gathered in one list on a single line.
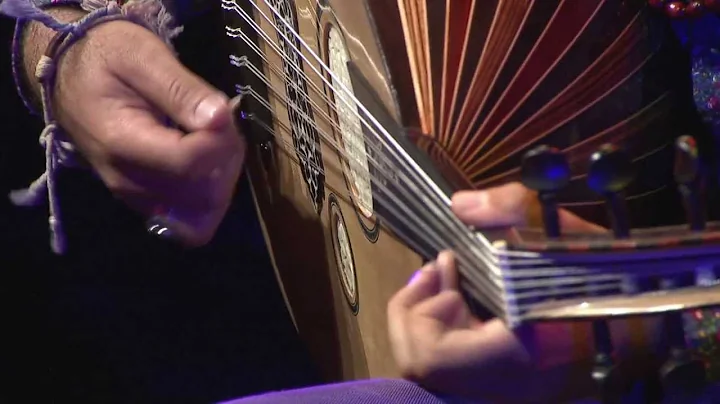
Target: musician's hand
[(509, 205), (438, 343), (115, 89)]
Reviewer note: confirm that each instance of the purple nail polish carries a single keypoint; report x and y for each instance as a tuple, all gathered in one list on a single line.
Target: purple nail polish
[(415, 276)]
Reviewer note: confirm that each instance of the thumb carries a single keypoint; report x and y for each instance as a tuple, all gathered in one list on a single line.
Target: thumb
[(183, 96), (505, 205)]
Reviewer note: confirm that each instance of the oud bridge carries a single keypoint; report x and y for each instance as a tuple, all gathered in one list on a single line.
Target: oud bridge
[(550, 275)]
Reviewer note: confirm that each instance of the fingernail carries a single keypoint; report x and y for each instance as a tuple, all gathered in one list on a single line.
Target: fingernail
[(469, 201), (209, 108), (415, 276), (427, 268), (235, 102), (445, 260)]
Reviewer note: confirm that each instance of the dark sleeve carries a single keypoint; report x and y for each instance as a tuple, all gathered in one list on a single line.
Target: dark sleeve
[(185, 10)]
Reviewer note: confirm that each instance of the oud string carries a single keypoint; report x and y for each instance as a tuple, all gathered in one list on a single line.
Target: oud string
[(332, 143), (266, 39), (420, 206), (394, 149), (562, 280), (516, 285), (441, 209), (440, 213), (422, 224), (420, 176)]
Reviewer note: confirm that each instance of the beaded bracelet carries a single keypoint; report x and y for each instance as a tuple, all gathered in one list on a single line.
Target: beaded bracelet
[(150, 14)]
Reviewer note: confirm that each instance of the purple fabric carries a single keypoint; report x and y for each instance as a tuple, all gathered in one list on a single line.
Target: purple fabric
[(387, 391), (376, 391)]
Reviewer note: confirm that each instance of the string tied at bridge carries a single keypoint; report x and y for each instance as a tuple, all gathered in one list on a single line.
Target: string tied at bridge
[(59, 150)]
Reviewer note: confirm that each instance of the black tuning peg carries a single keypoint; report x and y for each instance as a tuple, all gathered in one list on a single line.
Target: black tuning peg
[(611, 171), (545, 170), (682, 375), (688, 178), (606, 372)]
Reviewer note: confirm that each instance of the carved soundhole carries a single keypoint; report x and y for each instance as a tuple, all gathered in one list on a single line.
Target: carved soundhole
[(351, 133), (306, 139), (343, 255)]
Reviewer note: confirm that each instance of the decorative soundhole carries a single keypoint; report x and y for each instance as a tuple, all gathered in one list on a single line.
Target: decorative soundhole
[(343, 255), (302, 121), (350, 127)]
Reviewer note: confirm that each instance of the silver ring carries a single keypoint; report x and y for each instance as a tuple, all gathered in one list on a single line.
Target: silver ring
[(159, 227)]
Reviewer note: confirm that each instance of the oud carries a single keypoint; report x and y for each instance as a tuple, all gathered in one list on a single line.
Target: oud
[(365, 116)]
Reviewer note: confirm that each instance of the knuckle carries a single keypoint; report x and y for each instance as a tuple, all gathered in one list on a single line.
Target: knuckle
[(178, 91), (454, 296)]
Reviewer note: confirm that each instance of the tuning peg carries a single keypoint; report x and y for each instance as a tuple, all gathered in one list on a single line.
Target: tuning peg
[(611, 171), (546, 170), (606, 372), (688, 178), (681, 375)]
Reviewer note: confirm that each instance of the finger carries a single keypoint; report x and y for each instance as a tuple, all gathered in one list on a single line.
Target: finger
[(500, 206), (572, 222), (189, 228), (448, 308), (507, 205), (183, 96), (143, 146), (491, 345), (448, 272), (194, 227), (424, 283)]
